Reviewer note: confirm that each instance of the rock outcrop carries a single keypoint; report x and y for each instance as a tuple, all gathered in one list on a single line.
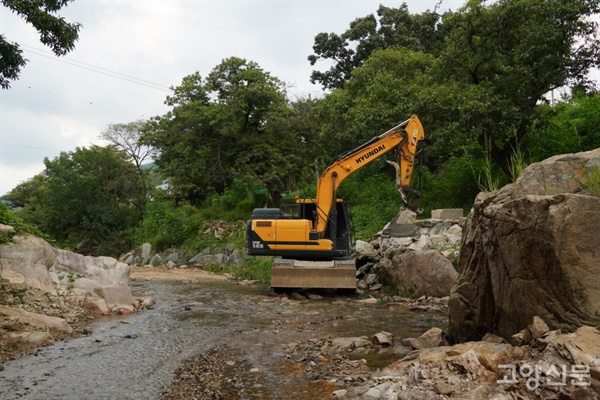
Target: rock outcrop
[(531, 248), (98, 284), (425, 272)]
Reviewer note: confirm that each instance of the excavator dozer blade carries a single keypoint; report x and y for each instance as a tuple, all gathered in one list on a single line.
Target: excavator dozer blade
[(337, 274)]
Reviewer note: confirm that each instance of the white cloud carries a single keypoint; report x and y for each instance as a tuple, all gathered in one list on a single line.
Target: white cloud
[(12, 176)]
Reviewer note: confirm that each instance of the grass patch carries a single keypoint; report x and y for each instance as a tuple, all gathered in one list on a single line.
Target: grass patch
[(518, 163), (591, 180), (253, 268), (486, 179), (8, 217)]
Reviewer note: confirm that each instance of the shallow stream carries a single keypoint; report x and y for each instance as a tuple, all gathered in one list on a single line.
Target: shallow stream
[(134, 357)]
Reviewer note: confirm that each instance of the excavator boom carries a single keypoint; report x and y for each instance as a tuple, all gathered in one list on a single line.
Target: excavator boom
[(404, 137)]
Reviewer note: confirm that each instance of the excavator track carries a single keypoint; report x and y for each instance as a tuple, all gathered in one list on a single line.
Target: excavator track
[(293, 274)]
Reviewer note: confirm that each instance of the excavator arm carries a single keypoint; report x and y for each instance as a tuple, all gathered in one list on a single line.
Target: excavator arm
[(404, 137)]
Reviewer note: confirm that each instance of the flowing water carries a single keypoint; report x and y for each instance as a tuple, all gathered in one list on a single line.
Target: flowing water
[(134, 357)]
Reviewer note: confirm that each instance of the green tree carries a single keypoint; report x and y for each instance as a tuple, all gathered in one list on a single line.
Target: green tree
[(20, 195), (518, 51), (567, 127), (83, 200), (54, 31), (483, 83), (181, 137), (126, 137), (235, 124), (396, 27)]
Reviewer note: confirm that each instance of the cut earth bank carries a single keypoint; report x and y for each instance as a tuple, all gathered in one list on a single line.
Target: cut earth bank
[(540, 362)]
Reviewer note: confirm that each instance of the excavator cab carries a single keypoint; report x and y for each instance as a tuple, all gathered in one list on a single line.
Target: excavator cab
[(339, 228)]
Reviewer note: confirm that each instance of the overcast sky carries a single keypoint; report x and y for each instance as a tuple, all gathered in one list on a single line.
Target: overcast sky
[(130, 52)]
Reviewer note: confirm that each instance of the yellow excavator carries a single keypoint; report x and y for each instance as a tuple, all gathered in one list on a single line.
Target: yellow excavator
[(313, 235)]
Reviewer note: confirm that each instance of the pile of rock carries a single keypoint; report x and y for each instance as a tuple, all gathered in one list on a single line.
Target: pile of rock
[(227, 255), (552, 366), (97, 284), (531, 248), (420, 262), (220, 229)]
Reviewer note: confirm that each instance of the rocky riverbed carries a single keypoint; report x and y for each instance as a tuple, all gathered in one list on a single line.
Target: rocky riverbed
[(208, 337), (227, 339)]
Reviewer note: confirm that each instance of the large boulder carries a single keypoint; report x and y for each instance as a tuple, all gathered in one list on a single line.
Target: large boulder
[(98, 284), (426, 273), (28, 261), (531, 248)]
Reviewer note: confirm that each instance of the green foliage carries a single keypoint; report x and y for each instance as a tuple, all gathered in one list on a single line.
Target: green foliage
[(518, 163), (54, 31), (126, 137), (373, 198), (395, 27), (253, 268), (452, 186), (232, 141), (591, 180), (487, 180), (236, 203), (568, 127), (235, 125), (167, 226), (8, 217), (463, 87), (84, 200)]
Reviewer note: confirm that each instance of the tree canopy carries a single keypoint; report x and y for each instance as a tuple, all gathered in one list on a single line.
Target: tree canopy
[(477, 77), (396, 27), (55, 32), (84, 199), (480, 80), (235, 124)]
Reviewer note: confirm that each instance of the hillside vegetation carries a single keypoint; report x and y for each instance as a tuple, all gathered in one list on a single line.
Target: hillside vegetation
[(479, 79)]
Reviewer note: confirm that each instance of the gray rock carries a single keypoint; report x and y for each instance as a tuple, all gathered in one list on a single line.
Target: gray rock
[(146, 251), (447, 213), (530, 249), (365, 250), (434, 337), (384, 339), (28, 260), (6, 230), (426, 273), (156, 260), (38, 320), (440, 228)]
